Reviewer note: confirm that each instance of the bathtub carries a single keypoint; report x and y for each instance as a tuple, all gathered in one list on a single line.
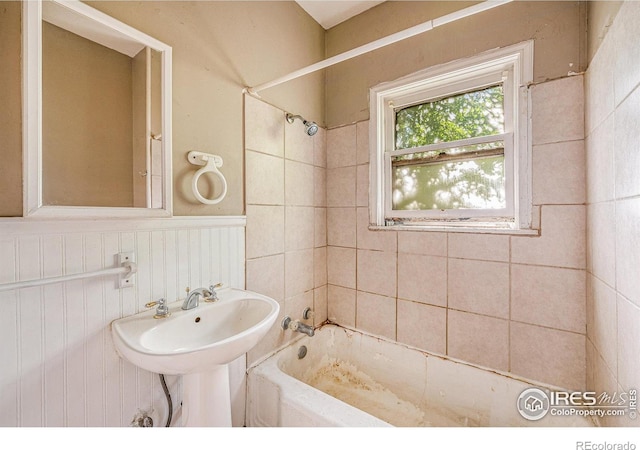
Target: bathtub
[(363, 381)]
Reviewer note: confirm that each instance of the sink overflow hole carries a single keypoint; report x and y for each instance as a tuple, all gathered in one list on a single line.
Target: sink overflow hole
[(302, 352), (197, 319)]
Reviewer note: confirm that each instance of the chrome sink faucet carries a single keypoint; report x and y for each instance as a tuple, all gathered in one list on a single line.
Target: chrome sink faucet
[(193, 299)]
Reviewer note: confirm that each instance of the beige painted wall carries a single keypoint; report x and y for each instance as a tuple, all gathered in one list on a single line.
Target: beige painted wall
[(557, 28), (600, 15), (10, 113), (218, 48), (87, 122)]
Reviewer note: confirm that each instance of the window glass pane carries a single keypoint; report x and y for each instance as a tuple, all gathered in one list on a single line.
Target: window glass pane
[(473, 114), (461, 183)]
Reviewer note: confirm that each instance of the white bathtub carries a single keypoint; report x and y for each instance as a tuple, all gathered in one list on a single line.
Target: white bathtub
[(396, 384)]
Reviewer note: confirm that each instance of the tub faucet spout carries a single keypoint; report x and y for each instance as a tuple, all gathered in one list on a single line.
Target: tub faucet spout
[(296, 325), (303, 328)]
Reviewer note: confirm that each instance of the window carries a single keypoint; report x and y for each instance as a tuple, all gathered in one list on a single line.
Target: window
[(450, 147)]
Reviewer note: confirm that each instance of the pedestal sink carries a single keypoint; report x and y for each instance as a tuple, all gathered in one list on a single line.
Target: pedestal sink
[(198, 344)]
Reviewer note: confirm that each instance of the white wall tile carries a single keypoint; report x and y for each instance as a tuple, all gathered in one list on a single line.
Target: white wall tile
[(362, 185), (298, 272), (266, 276), (377, 272), (362, 142), (627, 157), (599, 95), (479, 286), (559, 173), (558, 111), (320, 148), (320, 305), (487, 247), (264, 179), (265, 230), (549, 296), (341, 146), (628, 344), (341, 266), (298, 184), (562, 240), (373, 240), (376, 314), (341, 186), (342, 307), (547, 355), (422, 278), (600, 163), (264, 127), (341, 227), (478, 339), (422, 243), (320, 186), (628, 249), (601, 241), (627, 56), (296, 304), (299, 223), (319, 267), (601, 301), (320, 231), (422, 326)]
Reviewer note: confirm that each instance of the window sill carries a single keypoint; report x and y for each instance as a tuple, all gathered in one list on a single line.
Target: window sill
[(478, 228)]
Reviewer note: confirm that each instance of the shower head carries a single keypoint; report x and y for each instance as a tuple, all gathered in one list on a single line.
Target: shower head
[(310, 128)]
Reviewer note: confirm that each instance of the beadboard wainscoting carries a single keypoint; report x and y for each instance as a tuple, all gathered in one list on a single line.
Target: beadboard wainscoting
[(58, 363)]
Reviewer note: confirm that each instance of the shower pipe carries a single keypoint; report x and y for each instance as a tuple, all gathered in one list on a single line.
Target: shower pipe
[(391, 39), (127, 269)]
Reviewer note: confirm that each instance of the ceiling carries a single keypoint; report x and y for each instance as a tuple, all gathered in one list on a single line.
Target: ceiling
[(329, 13)]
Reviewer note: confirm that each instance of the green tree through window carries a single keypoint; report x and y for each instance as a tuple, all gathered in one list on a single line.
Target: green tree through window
[(469, 176)]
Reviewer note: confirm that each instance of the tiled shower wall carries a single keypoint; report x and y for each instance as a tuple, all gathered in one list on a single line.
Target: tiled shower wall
[(59, 366), (286, 246), (613, 209), (512, 303)]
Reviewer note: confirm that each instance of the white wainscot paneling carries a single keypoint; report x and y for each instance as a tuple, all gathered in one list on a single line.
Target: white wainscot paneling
[(58, 364)]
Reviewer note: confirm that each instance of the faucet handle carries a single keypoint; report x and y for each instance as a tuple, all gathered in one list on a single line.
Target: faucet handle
[(307, 313), (213, 296), (162, 310)]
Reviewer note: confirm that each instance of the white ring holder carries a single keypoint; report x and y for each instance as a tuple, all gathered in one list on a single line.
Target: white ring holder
[(211, 164)]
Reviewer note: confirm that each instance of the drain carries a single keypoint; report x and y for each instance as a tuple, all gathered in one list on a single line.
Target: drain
[(197, 319), (302, 352)]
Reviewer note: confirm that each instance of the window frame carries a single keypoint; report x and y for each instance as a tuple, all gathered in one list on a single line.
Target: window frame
[(510, 66)]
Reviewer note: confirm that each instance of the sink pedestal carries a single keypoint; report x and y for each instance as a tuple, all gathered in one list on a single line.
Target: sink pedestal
[(206, 398)]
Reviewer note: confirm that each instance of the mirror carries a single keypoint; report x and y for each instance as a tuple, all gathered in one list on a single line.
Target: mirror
[(98, 115)]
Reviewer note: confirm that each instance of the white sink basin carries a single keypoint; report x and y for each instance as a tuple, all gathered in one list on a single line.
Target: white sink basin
[(197, 340)]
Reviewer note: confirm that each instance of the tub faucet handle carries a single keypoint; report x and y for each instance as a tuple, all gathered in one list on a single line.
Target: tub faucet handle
[(307, 313)]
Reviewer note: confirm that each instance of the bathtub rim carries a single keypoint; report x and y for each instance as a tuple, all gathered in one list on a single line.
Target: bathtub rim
[(271, 359), (427, 353)]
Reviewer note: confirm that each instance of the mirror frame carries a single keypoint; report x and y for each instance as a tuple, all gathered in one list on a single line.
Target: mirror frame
[(32, 113)]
